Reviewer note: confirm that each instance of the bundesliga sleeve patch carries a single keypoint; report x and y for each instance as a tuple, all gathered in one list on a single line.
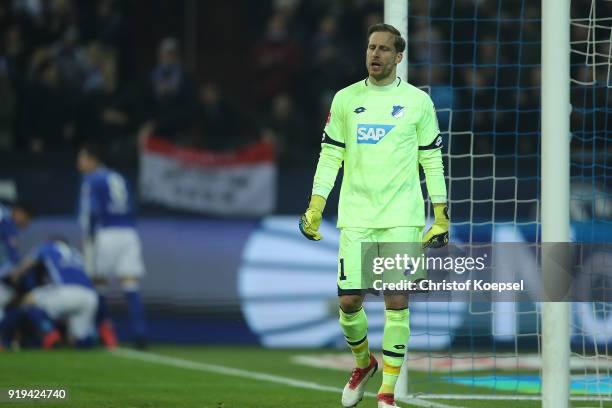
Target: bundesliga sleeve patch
[(436, 144)]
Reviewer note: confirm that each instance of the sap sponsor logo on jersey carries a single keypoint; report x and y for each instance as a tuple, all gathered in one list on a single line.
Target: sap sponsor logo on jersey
[(372, 133)]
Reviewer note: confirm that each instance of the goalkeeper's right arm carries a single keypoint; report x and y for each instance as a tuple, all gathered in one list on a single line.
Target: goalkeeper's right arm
[(330, 161)]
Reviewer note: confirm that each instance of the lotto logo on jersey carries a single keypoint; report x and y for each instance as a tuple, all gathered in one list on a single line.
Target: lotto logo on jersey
[(372, 134)]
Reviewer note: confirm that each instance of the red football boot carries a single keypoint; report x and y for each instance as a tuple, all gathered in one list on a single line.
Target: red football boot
[(107, 334), (354, 389)]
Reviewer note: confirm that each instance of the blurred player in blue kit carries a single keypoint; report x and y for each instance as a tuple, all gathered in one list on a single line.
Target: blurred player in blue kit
[(60, 292), (111, 243), (11, 219)]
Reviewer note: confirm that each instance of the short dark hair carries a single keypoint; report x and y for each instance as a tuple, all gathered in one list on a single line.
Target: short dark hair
[(26, 207), (399, 43), (93, 149), (55, 237)]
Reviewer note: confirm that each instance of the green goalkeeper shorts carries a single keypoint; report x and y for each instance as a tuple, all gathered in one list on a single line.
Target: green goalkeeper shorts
[(381, 243)]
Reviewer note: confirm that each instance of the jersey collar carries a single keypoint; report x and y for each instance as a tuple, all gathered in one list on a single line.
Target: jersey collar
[(382, 88)]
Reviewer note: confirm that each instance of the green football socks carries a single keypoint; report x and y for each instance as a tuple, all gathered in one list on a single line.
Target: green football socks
[(395, 341), (355, 329)]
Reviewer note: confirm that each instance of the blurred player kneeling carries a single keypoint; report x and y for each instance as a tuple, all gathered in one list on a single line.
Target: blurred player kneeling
[(61, 292)]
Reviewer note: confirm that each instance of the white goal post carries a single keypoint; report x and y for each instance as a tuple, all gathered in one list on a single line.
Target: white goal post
[(555, 188), (396, 14)]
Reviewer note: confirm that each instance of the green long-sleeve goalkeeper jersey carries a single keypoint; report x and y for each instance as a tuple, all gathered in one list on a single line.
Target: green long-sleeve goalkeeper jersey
[(381, 133)]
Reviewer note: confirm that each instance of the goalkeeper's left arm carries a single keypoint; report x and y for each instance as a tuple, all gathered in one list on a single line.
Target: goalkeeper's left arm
[(330, 161), (430, 158)]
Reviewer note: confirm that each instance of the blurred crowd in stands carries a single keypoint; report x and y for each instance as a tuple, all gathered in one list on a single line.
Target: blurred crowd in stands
[(57, 67), (63, 74)]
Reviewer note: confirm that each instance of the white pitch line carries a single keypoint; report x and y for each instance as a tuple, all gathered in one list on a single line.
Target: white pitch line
[(493, 397), (236, 372)]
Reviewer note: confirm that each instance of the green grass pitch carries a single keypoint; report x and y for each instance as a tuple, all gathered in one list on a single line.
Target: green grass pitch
[(177, 377)]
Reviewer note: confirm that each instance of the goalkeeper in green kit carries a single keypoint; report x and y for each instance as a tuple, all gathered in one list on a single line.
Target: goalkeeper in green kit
[(381, 128)]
